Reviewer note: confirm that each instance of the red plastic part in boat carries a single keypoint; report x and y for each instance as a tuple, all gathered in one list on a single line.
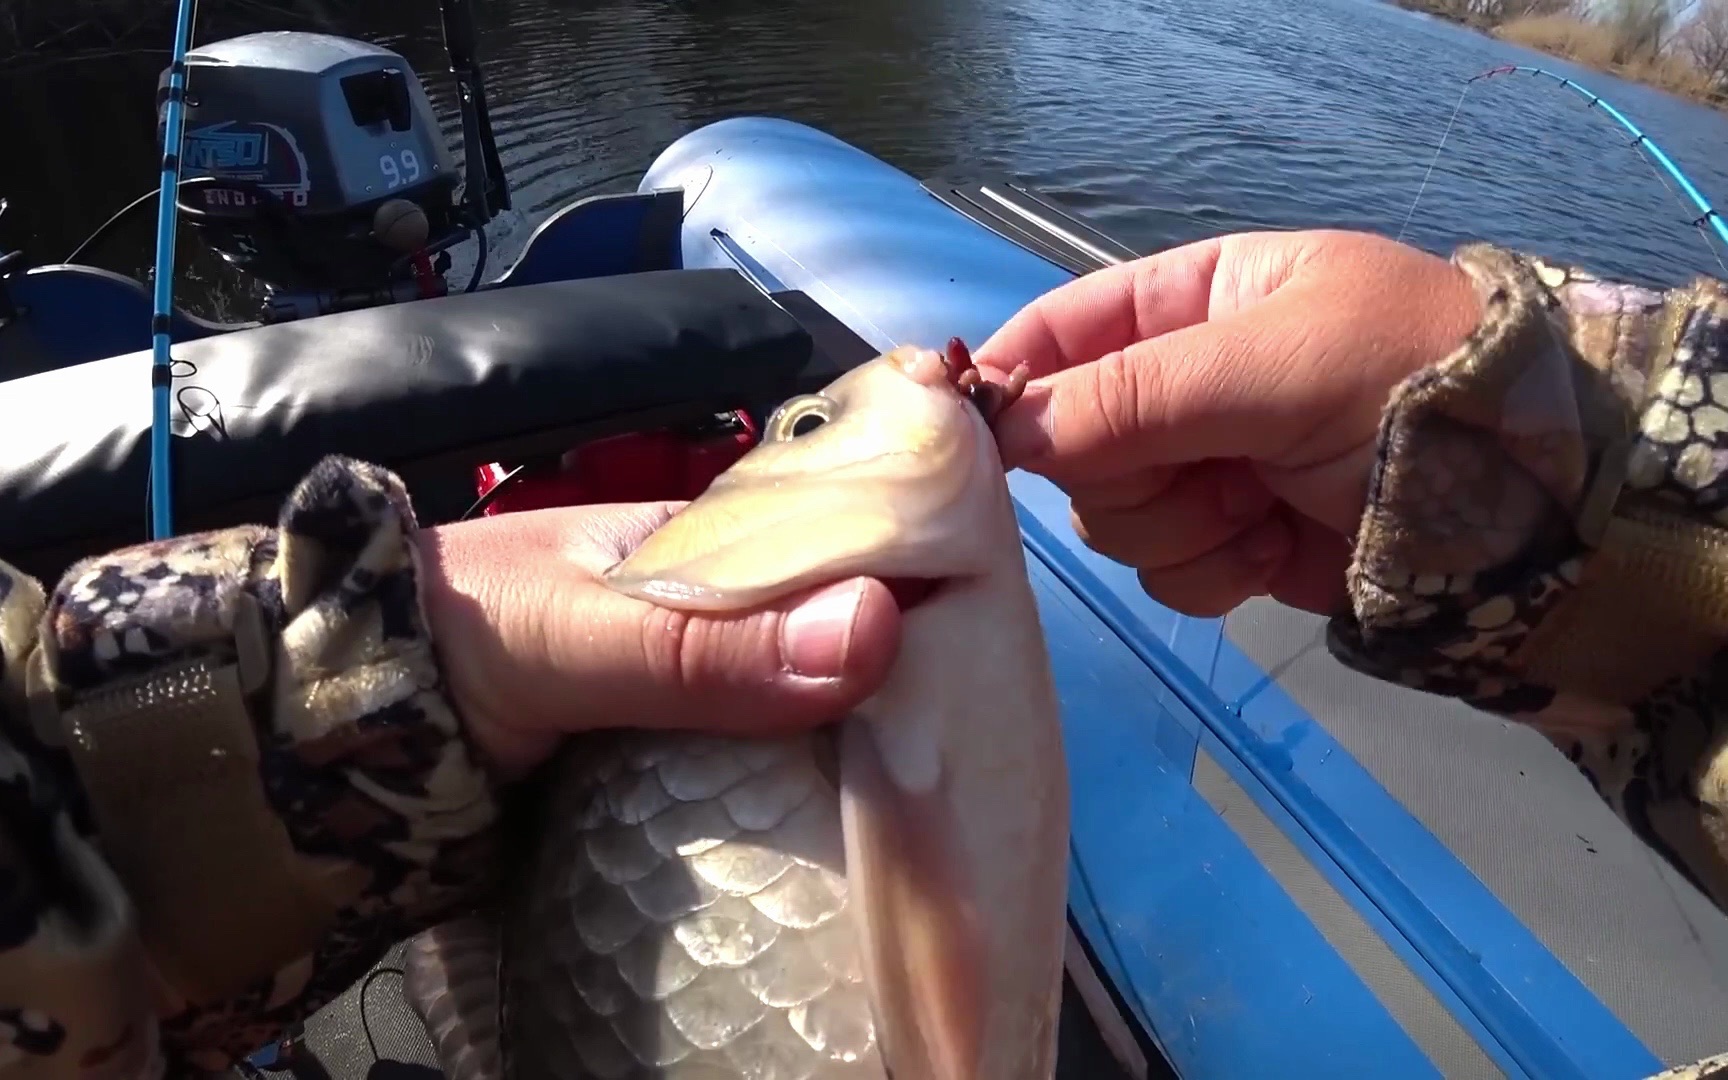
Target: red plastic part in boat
[(642, 466)]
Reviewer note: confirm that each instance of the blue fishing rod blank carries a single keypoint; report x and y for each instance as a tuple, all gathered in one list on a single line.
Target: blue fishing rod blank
[(161, 320), (1707, 213)]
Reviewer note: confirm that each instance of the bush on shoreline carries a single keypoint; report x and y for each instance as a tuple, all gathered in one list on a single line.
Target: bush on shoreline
[(1487, 14), (35, 26), (1638, 40)]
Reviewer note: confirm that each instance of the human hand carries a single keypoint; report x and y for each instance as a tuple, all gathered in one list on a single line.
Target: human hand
[(534, 647), (1212, 410)]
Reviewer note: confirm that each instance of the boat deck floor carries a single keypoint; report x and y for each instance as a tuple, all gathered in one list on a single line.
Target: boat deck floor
[(1530, 827)]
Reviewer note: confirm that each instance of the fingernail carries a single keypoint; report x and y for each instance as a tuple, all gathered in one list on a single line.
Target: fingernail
[(817, 634)]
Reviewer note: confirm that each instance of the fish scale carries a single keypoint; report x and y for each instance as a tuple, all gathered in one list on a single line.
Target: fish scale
[(693, 924)]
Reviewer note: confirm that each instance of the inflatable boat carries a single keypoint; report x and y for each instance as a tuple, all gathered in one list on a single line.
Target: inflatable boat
[(1278, 868)]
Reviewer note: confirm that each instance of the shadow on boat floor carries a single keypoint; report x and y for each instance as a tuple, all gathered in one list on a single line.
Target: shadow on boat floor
[(1082, 1053)]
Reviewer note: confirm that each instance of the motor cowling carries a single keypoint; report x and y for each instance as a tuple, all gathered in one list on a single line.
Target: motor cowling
[(293, 142)]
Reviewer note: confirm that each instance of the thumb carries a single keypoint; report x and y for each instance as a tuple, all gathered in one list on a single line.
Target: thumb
[(800, 662), (535, 648)]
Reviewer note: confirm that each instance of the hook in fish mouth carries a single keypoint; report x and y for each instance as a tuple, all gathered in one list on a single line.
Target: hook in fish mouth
[(987, 397)]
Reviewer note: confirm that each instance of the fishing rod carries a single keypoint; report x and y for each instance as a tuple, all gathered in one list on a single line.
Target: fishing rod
[(162, 317), (1644, 144)]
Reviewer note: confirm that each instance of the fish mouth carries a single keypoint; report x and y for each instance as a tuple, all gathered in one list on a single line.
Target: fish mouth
[(990, 399)]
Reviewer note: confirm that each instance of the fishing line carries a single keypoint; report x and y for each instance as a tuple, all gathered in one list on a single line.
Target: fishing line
[(1651, 154), (162, 317), (1681, 202), (1447, 134)]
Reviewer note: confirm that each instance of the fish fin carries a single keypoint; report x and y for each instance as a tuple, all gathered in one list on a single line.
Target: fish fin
[(922, 941), (450, 975)]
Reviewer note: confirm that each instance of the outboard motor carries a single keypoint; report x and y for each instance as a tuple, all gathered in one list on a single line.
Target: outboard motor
[(315, 166)]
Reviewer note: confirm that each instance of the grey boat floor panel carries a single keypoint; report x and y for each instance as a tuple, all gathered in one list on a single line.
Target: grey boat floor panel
[(1528, 825)]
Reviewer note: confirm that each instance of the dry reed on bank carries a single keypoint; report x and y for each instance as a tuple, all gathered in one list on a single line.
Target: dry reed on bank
[(1599, 46)]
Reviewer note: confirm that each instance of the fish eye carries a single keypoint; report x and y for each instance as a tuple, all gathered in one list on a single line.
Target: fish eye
[(799, 416)]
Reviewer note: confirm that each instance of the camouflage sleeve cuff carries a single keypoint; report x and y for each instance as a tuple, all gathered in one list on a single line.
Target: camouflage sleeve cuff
[(262, 738), (1544, 537)]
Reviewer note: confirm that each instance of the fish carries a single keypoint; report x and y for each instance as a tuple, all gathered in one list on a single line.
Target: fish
[(883, 897)]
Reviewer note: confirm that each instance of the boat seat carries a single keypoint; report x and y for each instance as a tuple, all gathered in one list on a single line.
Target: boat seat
[(441, 384), (55, 316)]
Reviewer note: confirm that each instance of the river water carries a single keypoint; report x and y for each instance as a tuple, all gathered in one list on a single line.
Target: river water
[(1163, 120)]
